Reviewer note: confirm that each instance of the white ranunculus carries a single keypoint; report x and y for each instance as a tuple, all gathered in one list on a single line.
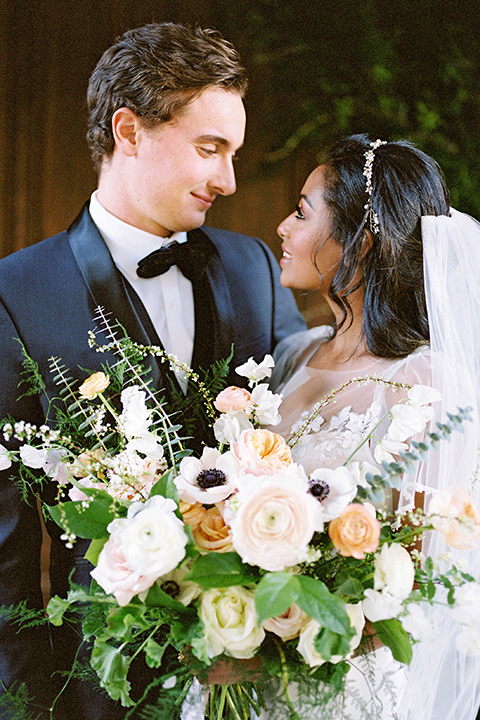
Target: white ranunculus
[(33, 457), (5, 461), (266, 405), (306, 644), (394, 571), (417, 623), (195, 474), (230, 622), (152, 537), (256, 371), (380, 605), (340, 488), (135, 419), (230, 426)]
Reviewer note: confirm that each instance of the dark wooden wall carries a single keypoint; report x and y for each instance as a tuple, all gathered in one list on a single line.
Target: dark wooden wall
[(48, 50)]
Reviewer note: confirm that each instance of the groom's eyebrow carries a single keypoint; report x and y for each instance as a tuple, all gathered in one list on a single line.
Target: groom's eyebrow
[(304, 197)]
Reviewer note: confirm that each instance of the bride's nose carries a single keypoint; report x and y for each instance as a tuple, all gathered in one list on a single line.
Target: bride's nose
[(282, 229)]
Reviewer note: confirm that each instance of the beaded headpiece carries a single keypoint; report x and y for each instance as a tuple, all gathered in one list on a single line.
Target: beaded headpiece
[(368, 171)]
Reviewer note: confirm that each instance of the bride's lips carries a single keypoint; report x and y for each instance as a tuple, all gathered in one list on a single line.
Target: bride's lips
[(286, 256), (205, 200)]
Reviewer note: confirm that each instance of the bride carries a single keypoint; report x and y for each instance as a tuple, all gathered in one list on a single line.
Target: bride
[(373, 234)]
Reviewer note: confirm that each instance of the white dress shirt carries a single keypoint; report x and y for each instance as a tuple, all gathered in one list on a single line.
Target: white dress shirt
[(168, 298)]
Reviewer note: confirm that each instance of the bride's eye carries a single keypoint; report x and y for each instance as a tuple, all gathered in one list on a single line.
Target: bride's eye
[(298, 213)]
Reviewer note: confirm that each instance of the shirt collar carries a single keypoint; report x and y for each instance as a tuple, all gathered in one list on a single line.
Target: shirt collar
[(126, 243)]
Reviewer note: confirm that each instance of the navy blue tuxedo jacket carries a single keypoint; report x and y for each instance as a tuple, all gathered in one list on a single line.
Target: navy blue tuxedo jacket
[(48, 297)]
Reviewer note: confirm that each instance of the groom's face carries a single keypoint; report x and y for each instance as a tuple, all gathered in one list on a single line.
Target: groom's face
[(182, 165)]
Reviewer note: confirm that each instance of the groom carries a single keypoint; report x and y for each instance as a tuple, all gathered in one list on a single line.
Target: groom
[(166, 118)]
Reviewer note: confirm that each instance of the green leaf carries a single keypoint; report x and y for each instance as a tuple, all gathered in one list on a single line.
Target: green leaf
[(112, 668), (392, 634), (122, 621), (274, 594), (328, 643), (220, 570), (94, 550), (56, 609), (86, 521), (165, 487), (154, 653), (158, 598), (317, 601)]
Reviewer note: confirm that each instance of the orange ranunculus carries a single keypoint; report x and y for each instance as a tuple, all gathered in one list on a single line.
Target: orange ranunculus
[(212, 534), (94, 385), (355, 532), (262, 452), (192, 513)]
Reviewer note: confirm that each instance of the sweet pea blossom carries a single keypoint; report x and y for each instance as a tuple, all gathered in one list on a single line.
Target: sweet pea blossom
[(151, 537), (467, 604), (380, 605), (394, 571), (452, 513), (94, 385), (256, 371), (5, 460), (230, 425), (230, 622), (33, 457), (135, 419), (262, 451), (418, 623), (274, 518), (411, 417), (333, 489), (207, 480), (265, 405)]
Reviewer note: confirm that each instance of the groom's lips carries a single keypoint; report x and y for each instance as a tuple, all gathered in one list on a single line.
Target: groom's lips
[(205, 200)]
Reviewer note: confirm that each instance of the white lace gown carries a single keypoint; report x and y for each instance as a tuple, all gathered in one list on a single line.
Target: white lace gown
[(375, 683)]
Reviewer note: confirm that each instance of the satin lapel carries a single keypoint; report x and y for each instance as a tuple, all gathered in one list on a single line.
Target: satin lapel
[(105, 282), (223, 335)]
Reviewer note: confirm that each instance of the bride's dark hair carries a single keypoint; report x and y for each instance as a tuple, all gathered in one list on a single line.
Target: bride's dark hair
[(406, 184)]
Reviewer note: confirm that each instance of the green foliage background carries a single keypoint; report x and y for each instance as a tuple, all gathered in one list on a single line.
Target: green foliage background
[(392, 68)]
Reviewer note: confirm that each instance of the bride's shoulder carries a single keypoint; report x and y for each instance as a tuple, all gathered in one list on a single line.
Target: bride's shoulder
[(295, 351)]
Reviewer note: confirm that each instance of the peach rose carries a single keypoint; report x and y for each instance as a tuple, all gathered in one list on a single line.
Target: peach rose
[(212, 534), (455, 516), (288, 625), (94, 385), (262, 452), (192, 513), (355, 532), (232, 398)]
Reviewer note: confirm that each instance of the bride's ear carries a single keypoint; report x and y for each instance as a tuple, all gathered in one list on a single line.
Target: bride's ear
[(366, 245)]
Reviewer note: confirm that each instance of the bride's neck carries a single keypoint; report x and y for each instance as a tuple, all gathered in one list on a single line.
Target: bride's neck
[(347, 350)]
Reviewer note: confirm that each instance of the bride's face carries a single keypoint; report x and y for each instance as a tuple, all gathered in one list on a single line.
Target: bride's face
[(310, 254)]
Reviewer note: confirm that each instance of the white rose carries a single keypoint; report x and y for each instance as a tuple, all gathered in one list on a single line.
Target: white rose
[(5, 461), (135, 418), (418, 624), (152, 537), (33, 457), (230, 622), (394, 571), (380, 605), (334, 489), (230, 426), (306, 644), (256, 371), (266, 405)]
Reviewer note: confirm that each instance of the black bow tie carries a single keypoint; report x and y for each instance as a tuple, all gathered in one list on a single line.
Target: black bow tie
[(190, 257)]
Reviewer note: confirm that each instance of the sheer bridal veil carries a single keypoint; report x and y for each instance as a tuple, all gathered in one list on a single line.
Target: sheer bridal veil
[(445, 683)]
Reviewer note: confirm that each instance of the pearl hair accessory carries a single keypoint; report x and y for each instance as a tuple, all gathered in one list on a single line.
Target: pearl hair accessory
[(368, 171)]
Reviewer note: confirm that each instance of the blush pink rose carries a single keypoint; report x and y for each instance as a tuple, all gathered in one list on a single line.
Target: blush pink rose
[(288, 625), (115, 576), (262, 452), (232, 398), (355, 532), (455, 516)]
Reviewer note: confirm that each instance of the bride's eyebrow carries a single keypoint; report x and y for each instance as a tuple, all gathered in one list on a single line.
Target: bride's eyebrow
[(304, 197)]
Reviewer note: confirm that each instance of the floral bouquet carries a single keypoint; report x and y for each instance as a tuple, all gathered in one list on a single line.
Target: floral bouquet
[(233, 572)]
